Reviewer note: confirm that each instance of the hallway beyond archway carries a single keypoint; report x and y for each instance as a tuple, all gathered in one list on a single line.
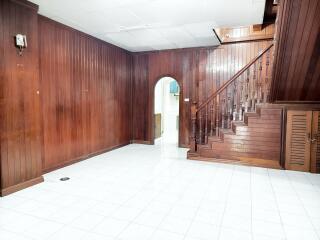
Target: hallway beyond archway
[(166, 110)]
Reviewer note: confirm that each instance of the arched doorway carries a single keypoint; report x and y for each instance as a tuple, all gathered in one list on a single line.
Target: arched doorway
[(166, 111)]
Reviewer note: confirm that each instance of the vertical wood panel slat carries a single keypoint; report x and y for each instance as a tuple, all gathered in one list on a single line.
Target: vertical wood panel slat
[(86, 85), (20, 146)]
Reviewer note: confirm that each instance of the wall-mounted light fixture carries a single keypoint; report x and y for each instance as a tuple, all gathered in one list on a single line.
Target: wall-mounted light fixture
[(21, 42)]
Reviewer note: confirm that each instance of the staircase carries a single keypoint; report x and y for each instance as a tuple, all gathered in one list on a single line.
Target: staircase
[(236, 124)]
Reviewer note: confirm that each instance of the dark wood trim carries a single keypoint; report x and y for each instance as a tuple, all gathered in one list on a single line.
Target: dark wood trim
[(215, 33), (142, 142), (65, 164), (283, 138), (257, 27), (315, 144), (270, 11), (20, 186), (27, 4), (248, 40)]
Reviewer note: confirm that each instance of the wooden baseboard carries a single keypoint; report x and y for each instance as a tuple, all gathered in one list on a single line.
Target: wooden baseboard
[(20, 186), (65, 164), (253, 162), (142, 142), (184, 145)]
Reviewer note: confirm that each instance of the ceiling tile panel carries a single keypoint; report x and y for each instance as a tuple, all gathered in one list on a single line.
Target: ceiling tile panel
[(142, 25)]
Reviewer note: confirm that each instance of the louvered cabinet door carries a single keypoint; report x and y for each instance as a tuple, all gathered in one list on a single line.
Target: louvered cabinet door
[(315, 143), (299, 124)]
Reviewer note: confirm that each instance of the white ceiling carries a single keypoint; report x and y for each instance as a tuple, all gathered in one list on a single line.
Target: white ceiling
[(143, 25)]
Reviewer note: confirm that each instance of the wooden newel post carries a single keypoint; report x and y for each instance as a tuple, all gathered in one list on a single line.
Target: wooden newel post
[(193, 141)]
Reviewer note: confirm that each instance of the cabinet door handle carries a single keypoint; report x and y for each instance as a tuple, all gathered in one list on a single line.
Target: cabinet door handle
[(314, 138)]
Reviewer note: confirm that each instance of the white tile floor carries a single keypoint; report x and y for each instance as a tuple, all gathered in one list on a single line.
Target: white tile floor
[(144, 192)]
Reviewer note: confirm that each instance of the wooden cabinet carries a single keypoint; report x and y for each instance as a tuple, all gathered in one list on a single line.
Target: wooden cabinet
[(302, 141), (315, 144)]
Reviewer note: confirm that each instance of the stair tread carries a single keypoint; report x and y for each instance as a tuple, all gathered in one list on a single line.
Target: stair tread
[(251, 114), (269, 105)]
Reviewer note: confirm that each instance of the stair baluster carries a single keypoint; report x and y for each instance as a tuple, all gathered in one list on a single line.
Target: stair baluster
[(223, 106), (217, 114), (211, 118), (193, 139), (229, 111), (206, 125), (200, 127), (268, 74), (259, 82)]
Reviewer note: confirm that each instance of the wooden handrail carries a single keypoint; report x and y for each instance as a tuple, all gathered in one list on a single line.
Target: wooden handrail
[(226, 84)]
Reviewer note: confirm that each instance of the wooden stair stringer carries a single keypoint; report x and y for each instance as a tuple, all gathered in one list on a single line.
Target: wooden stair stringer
[(254, 141)]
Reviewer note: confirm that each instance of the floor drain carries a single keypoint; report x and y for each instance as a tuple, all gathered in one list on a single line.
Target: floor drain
[(64, 179)]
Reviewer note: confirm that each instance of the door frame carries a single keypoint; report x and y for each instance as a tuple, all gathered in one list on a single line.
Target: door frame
[(151, 116)]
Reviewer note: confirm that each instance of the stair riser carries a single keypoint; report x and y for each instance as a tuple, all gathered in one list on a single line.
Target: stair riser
[(248, 142), (239, 130), (242, 147), (252, 134), (240, 156), (264, 121)]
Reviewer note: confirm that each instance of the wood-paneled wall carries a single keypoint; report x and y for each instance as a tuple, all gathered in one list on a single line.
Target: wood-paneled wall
[(199, 72), (20, 132), (297, 55), (85, 93)]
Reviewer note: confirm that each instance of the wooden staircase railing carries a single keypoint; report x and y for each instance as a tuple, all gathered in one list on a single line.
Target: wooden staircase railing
[(240, 94)]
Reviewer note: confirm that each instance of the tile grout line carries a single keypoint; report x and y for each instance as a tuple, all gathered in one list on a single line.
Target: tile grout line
[(192, 221), (276, 199), (314, 229), (225, 207), (132, 221), (251, 191)]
